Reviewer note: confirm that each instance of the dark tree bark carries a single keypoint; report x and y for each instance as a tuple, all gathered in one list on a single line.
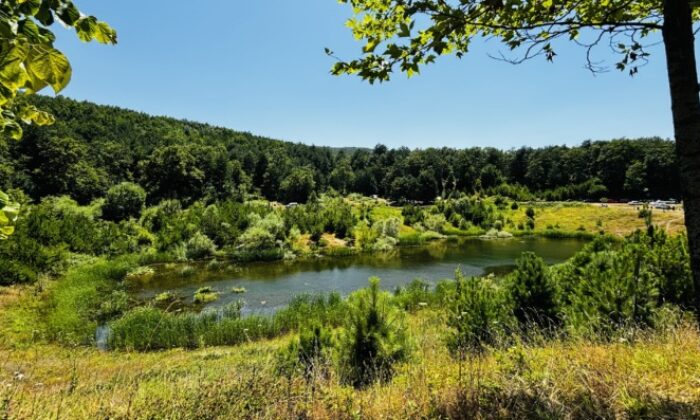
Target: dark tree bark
[(679, 41)]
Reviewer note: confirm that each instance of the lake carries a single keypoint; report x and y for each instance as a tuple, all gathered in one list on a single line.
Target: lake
[(270, 285)]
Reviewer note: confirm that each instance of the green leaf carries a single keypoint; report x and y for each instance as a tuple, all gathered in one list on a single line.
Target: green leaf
[(44, 15), (49, 65), (68, 13)]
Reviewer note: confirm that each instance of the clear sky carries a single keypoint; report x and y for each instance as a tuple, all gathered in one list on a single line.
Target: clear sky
[(259, 66)]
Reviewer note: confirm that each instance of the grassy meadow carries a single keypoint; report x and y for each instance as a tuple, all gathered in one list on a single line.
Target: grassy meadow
[(654, 375)]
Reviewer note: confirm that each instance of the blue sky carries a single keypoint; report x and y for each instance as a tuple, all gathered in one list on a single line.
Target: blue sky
[(259, 66)]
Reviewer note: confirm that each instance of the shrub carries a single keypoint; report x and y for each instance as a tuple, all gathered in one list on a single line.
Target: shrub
[(435, 222), (609, 289), (205, 295), (414, 296), (530, 223), (124, 201), (412, 214), (479, 314), (263, 233), (199, 246), (514, 205), (530, 212), (374, 338), (310, 353), (388, 227), (533, 292), (384, 244)]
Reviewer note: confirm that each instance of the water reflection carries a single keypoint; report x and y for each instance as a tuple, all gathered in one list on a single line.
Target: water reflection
[(275, 283)]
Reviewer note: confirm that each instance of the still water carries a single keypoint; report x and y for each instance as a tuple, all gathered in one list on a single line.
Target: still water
[(270, 285)]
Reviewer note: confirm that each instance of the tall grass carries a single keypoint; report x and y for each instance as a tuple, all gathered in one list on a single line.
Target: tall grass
[(145, 329), (78, 301)]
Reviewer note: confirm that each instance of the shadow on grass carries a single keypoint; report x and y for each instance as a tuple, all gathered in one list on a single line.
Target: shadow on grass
[(496, 403)]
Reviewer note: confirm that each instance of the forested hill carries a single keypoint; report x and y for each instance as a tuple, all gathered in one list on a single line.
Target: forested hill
[(93, 147)]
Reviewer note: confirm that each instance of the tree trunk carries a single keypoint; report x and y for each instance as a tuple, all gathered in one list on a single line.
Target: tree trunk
[(685, 102)]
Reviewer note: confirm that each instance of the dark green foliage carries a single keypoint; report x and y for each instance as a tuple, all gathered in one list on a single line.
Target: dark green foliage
[(172, 172), (93, 148), (479, 314), (530, 212), (416, 295), (533, 293), (465, 209), (199, 246), (298, 185), (530, 223), (611, 286), (412, 214), (124, 201), (373, 339), (338, 217), (309, 354)]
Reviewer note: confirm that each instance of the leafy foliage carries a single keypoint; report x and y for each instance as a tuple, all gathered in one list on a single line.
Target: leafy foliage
[(479, 314), (124, 201), (374, 338), (409, 35), (8, 215), (94, 148), (28, 60), (534, 294)]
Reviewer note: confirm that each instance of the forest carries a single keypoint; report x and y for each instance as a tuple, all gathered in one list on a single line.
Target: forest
[(92, 148)]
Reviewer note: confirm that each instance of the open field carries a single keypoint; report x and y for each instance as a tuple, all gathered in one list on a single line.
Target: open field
[(617, 219), (657, 375)]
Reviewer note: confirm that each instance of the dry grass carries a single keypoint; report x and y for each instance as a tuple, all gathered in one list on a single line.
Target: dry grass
[(657, 376)]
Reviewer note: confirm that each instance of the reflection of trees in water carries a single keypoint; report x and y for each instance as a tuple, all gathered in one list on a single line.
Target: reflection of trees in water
[(168, 276), (437, 249)]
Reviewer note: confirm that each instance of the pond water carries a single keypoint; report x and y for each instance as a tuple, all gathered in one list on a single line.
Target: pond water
[(270, 285)]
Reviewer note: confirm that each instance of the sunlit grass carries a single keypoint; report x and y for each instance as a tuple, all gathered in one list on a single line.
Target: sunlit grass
[(656, 375), (616, 219)]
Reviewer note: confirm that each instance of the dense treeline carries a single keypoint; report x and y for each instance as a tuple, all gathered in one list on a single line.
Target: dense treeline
[(92, 148)]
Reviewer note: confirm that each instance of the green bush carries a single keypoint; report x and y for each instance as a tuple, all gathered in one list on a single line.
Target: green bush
[(412, 214), (479, 314), (414, 296), (199, 246), (373, 339), (309, 354), (435, 222), (124, 201), (530, 223), (533, 293)]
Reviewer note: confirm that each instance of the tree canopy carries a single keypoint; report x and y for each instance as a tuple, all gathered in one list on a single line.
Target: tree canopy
[(28, 60), (93, 148), (29, 63), (407, 34)]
